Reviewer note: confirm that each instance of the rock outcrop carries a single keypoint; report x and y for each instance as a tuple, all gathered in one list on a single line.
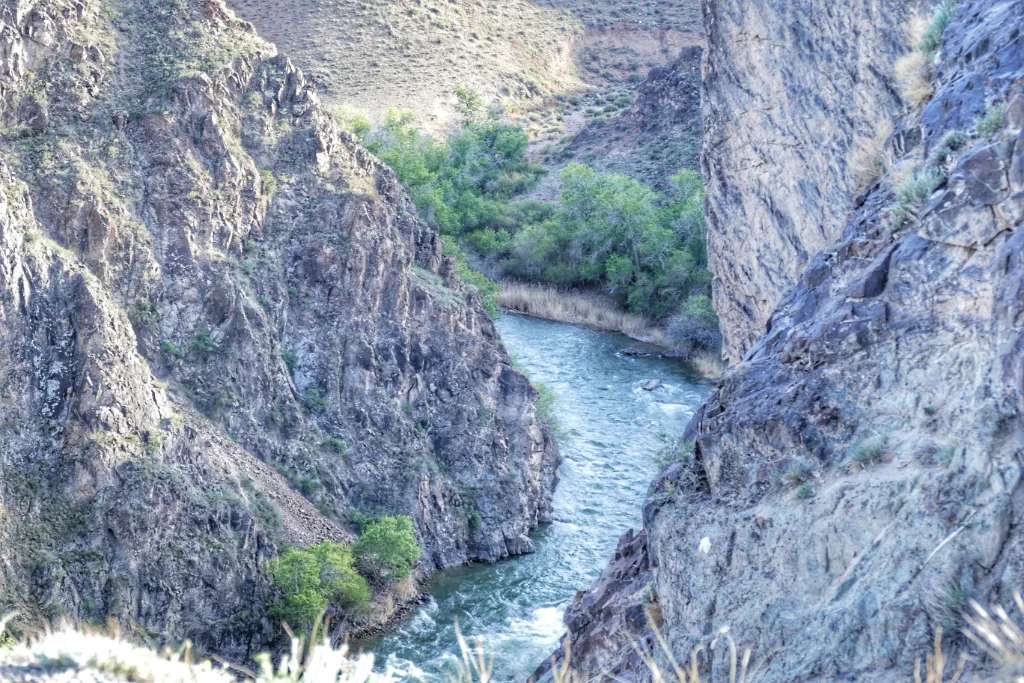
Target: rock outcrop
[(794, 95), (658, 135), (857, 478), (225, 330)]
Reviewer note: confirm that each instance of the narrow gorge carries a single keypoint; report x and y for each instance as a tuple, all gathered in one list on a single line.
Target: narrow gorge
[(252, 368)]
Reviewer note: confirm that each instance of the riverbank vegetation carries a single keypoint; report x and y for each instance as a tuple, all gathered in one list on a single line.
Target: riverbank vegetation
[(309, 580), (578, 307), (643, 252)]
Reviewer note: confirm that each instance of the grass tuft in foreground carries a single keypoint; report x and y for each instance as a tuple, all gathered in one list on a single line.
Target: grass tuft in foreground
[(69, 653)]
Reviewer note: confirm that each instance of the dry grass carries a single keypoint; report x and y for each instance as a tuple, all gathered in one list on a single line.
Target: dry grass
[(739, 665), (578, 308), (601, 313), (914, 71), (914, 78), (935, 665), (413, 54), (103, 657), (996, 634), (871, 158)]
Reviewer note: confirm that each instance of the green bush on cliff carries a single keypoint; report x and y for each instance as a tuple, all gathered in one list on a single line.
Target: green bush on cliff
[(463, 184), (931, 41), (310, 579), (546, 405), (387, 549), (485, 288), (994, 120)]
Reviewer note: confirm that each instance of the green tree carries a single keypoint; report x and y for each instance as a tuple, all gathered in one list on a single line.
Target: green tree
[(465, 183), (311, 579), (468, 104), (387, 550)]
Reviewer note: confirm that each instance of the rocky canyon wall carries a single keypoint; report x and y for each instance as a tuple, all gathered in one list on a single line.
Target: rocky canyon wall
[(794, 94), (224, 331), (856, 479)]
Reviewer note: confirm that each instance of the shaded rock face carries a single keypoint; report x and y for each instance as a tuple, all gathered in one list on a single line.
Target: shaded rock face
[(224, 331), (606, 623), (857, 478), (794, 93)]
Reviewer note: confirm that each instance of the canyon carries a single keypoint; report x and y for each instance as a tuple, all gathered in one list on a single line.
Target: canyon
[(226, 331)]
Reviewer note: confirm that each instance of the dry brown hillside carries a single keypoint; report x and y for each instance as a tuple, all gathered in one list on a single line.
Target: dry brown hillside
[(541, 59)]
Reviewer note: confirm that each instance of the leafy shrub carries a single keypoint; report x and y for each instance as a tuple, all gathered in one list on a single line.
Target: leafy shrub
[(387, 549), (919, 187), (615, 233), (488, 242), (263, 508), (681, 452), (353, 122), (144, 313), (311, 579), (609, 231), (469, 104), (204, 343), (696, 325), (463, 184), (314, 400), (805, 491), (993, 121), (359, 518), (931, 41), (913, 192), (336, 444), (950, 143), (798, 472), (484, 287), (269, 182), (171, 349), (545, 405), (869, 450)]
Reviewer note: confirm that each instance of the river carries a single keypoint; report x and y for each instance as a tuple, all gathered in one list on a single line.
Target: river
[(611, 434)]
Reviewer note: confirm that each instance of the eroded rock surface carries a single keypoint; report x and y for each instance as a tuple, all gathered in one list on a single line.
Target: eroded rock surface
[(794, 96), (224, 331), (857, 478)]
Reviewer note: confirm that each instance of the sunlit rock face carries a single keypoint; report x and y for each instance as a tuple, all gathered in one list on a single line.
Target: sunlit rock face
[(224, 331), (856, 479), (793, 93)]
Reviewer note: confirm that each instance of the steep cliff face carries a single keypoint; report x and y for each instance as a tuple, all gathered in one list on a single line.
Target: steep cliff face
[(857, 478), (224, 331), (794, 94)]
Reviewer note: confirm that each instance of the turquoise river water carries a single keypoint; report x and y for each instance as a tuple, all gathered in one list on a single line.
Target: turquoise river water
[(611, 433)]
